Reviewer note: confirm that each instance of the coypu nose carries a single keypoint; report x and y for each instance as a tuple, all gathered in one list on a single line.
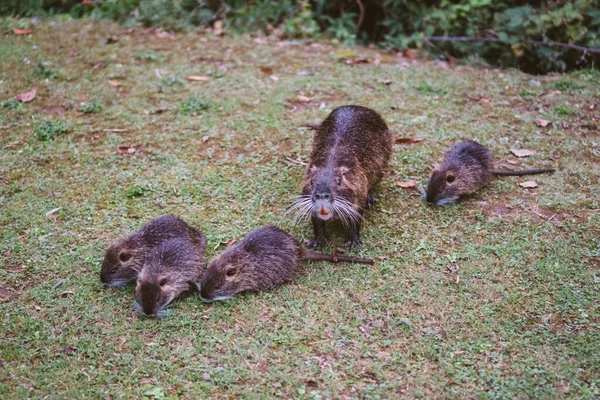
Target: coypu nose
[(322, 196)]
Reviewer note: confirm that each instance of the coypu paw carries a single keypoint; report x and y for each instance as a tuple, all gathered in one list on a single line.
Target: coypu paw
[(371, 201), (353, 241), (315, 243)]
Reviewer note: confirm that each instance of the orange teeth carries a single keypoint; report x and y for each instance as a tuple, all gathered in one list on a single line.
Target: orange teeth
[(324, 211)]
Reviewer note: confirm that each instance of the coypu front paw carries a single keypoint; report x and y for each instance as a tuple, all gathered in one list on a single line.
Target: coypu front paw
[(315, 243), (353, 241), (371, 201)]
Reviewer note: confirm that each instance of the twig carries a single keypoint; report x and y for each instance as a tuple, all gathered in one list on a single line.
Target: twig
[(312, 255), (60, 282), (296, 162), (493, 39), (361, 17), (115, 130)]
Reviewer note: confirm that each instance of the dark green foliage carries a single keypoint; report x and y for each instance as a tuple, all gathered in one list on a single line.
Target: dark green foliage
[(91, 107), (192, 106), (506, 33), (48, 130), (48, 73)]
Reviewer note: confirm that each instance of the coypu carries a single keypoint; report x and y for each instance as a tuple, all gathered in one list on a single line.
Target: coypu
[(351, 149), (466, 167), (166, 275), (264, 259), (125, 258)]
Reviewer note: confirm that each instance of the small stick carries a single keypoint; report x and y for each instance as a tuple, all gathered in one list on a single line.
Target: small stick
[(312, 255), (117, 130), (60, 282)]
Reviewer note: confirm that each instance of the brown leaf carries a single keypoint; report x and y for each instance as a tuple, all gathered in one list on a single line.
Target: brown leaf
[(482, 98), (356, 60), (226, 244), (162, 34), (114, 83), (384, 81), (409, 140), (303, 99), (565, 124), (266, 70), (528, 184), (127, 149), (218, 28), (542, 122), (522, 153), (198, 78), (513, 162), (17, 31), (407, 184), (26, 97), (410, 53), (205, 139)]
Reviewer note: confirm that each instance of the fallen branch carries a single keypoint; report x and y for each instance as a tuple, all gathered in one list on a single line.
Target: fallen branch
[(493, 39), (361, 17)]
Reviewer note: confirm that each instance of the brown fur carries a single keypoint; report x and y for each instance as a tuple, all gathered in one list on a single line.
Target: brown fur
[(168, 273), (467, 167), (266, 258), (351, 149), (124, 258)]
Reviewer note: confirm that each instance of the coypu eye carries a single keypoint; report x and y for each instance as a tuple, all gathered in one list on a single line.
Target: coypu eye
[(338, 181), (231, 272), (162, 282), (450, 178), (124, 257), (312, 181)]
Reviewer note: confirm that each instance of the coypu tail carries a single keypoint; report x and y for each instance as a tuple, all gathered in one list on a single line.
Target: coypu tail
[(507, 172), (334, 258)]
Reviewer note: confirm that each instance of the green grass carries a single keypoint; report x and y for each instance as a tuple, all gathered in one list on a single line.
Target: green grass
[(519, 317)]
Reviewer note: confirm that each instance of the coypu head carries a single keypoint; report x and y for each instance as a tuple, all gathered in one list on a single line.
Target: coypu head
[(444, 187), (168, 273), (326, 194), (122, 262), (224, 278)]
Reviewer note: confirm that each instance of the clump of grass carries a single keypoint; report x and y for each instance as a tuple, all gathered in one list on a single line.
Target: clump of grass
[(526, 93), (48, 130), (91, 107), (48, 73), (136, 191), (10, 104), (192, 105), (426, 88), (148, 56), (567, 85), (565, 111), (171, 81)]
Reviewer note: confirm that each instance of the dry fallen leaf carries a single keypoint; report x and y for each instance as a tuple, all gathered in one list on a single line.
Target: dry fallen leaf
[(528, 184), (162, 34), (114, 83), (26, 97), (54, 210), (542, 122), (127, 149), (266, 70), (513, 162), (226, 244), (407, 184), (303, 99), (218, 28), (17, 31), (87, 2), (408, 140), (522, 153), (354, 61), (205, 139), (565, 124), (384, 81), (275, 78), (198, 78), (482, 98)]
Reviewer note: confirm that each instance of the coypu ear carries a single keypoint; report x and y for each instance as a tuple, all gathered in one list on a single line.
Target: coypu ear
[(231, 271)]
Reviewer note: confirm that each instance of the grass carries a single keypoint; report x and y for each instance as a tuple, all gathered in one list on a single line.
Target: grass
[(498, 297)]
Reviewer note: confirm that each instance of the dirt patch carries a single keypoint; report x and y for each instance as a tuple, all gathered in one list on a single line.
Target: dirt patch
[(7, 294)]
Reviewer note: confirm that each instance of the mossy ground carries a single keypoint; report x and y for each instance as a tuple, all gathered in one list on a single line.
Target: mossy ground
[(519, 318)]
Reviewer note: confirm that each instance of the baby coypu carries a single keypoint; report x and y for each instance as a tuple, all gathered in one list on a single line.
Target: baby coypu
[(351, 149), (466, 167), (169, 272), (125, 258), (266, 258)]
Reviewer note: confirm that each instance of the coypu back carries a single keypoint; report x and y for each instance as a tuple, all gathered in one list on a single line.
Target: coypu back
[(167, 272), (353, 136), (124, 258)]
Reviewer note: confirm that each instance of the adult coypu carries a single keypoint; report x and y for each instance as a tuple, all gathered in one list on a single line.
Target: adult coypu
[(351, 149), (264, 259), (168, 273), (125, 258), (466, 167)]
